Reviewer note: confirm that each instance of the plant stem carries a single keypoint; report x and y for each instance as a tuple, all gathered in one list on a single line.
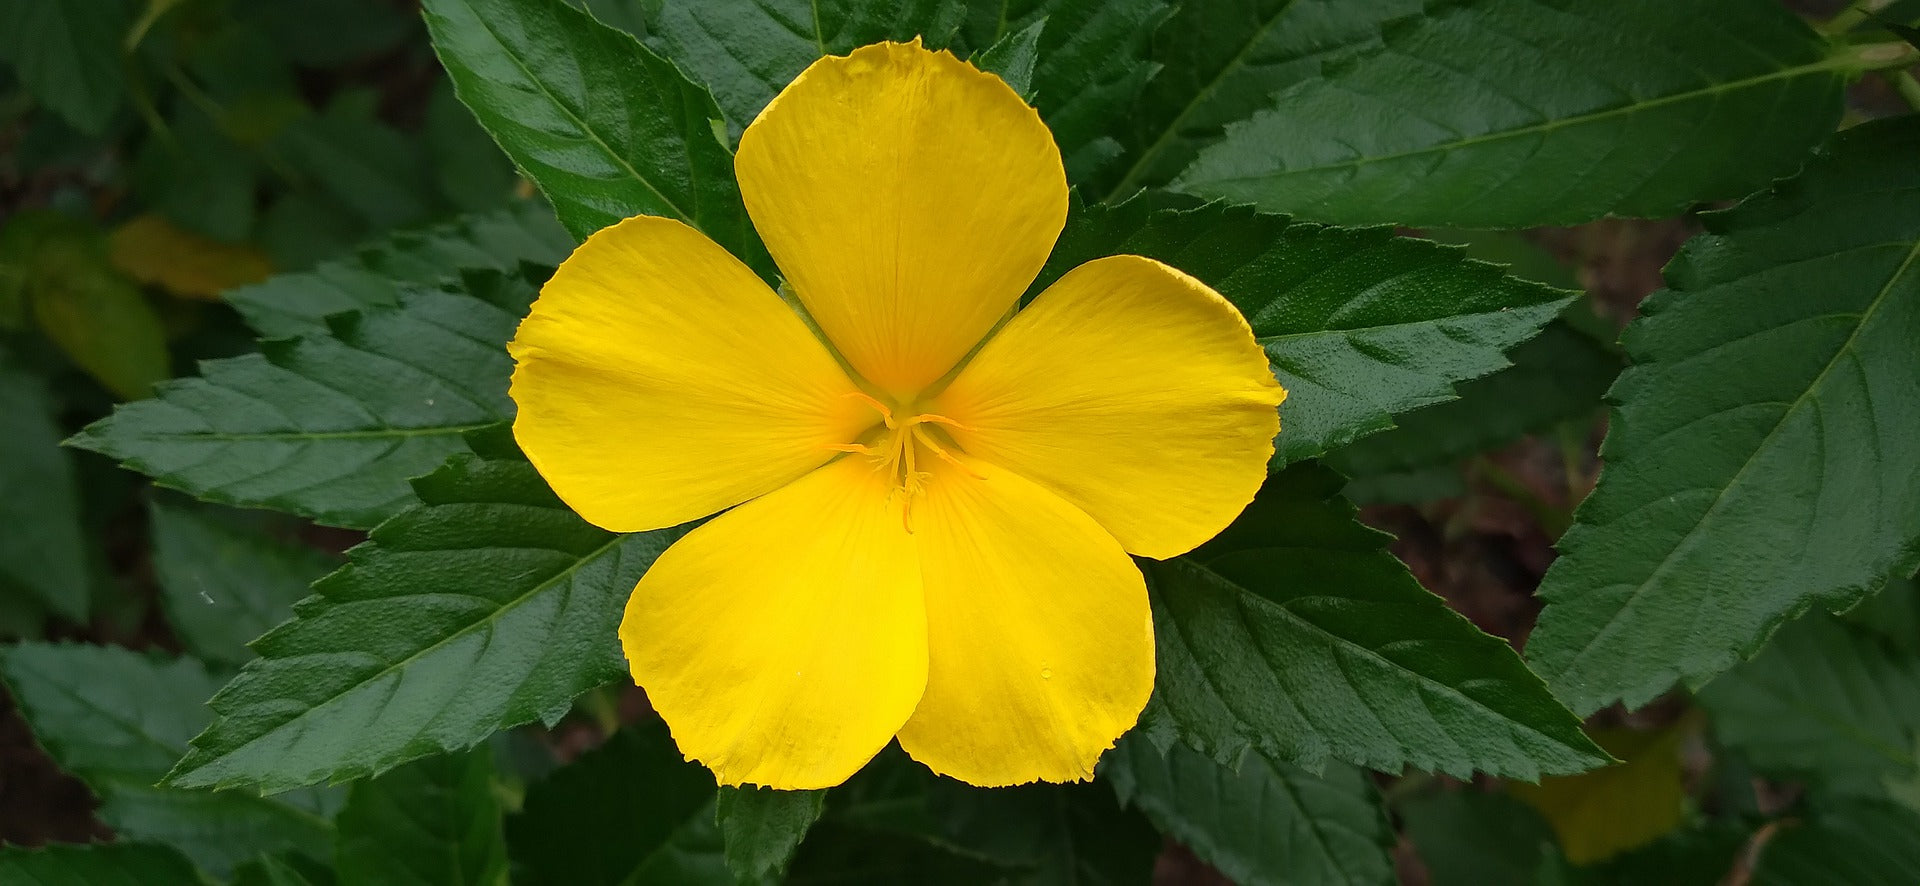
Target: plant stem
[(1849, 18), (1554, 521), (1906, 86)]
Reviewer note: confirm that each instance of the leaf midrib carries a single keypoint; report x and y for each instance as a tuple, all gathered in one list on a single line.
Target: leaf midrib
[(592, 134), (1371, 654), (181, 778), (1720, 497), (1835, 62), (366, 434)]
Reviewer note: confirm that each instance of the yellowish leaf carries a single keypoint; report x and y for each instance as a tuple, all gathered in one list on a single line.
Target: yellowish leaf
[(154, 250), (1607, 811)]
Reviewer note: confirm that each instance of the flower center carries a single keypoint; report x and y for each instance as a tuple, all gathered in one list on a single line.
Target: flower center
[(899, 447)]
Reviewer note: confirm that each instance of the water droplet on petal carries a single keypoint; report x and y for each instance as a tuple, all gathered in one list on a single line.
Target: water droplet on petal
[(1046, 673)]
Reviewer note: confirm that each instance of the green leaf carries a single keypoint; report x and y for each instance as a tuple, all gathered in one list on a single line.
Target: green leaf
[(1515, 113), (469, 168), (432, 822), (1360, 325), (67, 55), (198, 177), (1558, 376), (293, 304), (602, 124), (330, 426), (1472, 838), (1602, 813), (1762, 455), (1043, 834), (486, 605), (1013, 56), (364, 163), (746, 51), (1893, 615), (97, 316), (43, 550), (762, 827), (98, 864), (1221, 61), (1856, 843), (1825, 702), (1092, 68), (1296, 634), (1706, 852), (273, 870), (118, 719), (629, 813), (1268, 822), (224, 579)]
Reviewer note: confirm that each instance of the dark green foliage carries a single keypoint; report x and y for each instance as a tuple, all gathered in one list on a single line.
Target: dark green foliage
[(225, 579), (746, 51), (1761, 458), (1221, 61), (1858, 843), (1537, 112), (1828, 703), (1296, 635), (632, 811), (432, 822), (119, 719), (537, 75), (486, 605), (119, 864), (763, 827), (1267, 821), (330, 425), (42, 552)]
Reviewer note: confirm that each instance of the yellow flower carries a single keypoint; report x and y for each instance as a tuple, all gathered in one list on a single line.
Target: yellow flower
[(931, 510)]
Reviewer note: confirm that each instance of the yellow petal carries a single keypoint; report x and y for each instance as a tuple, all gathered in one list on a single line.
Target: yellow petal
[(1040, 639), (785, 642), (909, 198), (1131, 390), (660, 381)]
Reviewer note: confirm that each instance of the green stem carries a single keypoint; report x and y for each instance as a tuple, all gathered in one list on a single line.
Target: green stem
[(1849, 18), (1554, 521), (1906, 86)]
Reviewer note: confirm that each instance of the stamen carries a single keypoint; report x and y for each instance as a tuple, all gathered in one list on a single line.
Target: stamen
[(932, 418), (886, 414), (947, 456), (860, 448)]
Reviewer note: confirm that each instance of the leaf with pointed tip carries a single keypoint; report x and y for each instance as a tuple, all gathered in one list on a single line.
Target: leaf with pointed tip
[(1360, 326), (331, 426), (1762, 454), (1266, 823), (118, 719), (486, 605), (763, 827), (1825, 702), (224, 579), (1013, 57), (1296, 634), (432, 822), (605, 126), (67, 54), (375, 275), (1220, 61), (1517, 113), (631, 812)]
